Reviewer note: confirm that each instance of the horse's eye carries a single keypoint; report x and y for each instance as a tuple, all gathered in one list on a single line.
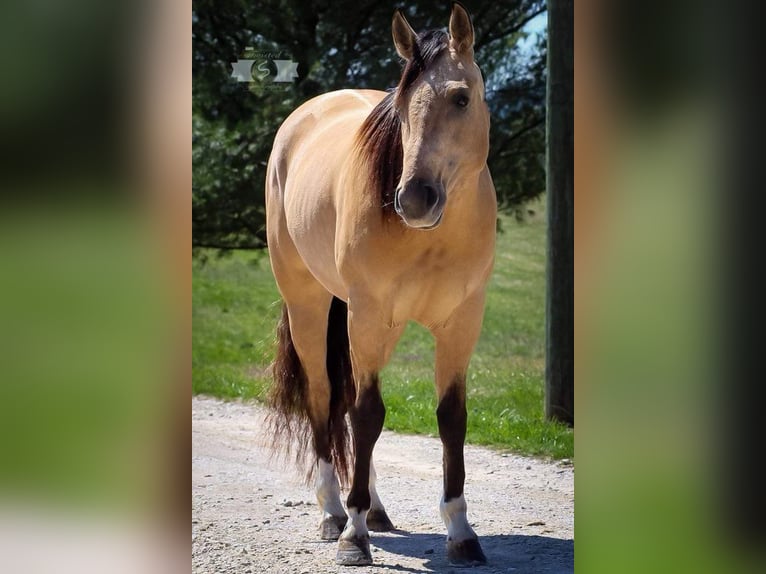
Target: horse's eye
[(461, 101)]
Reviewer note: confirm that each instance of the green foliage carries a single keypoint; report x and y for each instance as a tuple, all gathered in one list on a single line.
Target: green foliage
[(236, 307), (227, 205), (343, 44)]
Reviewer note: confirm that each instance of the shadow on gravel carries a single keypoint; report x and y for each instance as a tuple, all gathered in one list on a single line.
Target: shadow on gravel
[(516, 553)]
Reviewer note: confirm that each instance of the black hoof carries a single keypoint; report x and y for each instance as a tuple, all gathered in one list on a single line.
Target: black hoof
[(378, 521), (466, 553), (331, 527), (354, 551)]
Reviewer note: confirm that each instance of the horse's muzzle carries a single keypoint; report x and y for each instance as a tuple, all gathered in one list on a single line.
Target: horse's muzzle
[(420, 203)]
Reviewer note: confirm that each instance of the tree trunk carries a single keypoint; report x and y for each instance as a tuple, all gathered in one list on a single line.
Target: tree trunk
[(559, 304)]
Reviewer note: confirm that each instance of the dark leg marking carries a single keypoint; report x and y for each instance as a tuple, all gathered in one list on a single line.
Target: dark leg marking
[(378, 521), (367, 417), (452, 417), (321, 434), (331, 527)]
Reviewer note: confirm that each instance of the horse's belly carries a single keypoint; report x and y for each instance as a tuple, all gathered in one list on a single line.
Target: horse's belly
[(324, 270), (313, 233), (316, 163)]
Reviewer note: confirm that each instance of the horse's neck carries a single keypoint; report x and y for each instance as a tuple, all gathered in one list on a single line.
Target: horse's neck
[(469, 201)]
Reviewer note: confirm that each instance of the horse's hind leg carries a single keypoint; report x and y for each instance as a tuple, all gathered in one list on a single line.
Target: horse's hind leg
[(308, 305), (308, 322), (377, 518), (328, 496)]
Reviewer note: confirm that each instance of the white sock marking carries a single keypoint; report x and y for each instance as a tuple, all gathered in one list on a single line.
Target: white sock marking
[(356, 525), (454, 516), (328, 490)]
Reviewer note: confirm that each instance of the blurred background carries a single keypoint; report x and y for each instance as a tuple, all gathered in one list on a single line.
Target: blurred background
[(95, 216), (668, 386)]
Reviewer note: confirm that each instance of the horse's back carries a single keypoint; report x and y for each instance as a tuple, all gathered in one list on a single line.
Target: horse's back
[(319, 131), (303, 187)]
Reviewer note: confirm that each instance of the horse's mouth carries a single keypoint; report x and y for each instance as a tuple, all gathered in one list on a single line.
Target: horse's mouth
[(415, 225), (435, 223)]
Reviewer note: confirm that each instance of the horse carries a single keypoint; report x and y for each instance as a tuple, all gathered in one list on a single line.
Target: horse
[(381, 210)]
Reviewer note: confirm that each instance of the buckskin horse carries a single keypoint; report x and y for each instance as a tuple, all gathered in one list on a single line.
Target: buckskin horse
[(381, 210)]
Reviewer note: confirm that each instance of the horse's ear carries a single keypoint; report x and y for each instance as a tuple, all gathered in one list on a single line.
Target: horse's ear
[(404, 35), (460, 30)]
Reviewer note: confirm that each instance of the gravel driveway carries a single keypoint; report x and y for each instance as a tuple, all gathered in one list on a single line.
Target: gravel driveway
[(252, 516)]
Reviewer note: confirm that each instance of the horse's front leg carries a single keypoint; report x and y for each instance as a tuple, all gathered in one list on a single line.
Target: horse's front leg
[(455, 342), (371, 343)]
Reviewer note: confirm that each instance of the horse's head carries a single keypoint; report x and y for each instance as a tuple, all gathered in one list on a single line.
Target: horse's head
[(444, 118)]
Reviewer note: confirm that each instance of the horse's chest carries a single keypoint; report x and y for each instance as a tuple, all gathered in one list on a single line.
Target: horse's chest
[(432, 287)]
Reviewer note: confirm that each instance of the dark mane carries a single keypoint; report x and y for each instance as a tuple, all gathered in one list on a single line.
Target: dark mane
[(379, 139)]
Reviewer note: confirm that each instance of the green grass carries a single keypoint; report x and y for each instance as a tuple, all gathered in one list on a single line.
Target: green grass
[(235, 309), (236, 305)]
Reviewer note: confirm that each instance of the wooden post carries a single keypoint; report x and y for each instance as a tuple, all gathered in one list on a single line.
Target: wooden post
[(559, 303)]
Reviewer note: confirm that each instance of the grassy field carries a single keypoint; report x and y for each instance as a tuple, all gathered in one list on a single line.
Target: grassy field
[(236, 306)]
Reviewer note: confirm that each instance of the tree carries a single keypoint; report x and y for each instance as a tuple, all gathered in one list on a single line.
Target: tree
[(559, 315), (339, 45)]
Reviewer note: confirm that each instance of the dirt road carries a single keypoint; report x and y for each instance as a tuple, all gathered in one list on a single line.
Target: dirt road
[(251, 516)]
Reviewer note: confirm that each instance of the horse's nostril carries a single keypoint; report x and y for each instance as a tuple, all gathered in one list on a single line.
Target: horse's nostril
[(431, 195), (418, 199)]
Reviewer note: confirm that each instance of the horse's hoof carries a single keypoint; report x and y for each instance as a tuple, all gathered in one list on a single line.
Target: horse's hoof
[(466, 553), (354, 551), (378, 521), (331, 527)]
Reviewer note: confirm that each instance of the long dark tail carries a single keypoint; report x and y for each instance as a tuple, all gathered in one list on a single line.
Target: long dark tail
[(289, 420)]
